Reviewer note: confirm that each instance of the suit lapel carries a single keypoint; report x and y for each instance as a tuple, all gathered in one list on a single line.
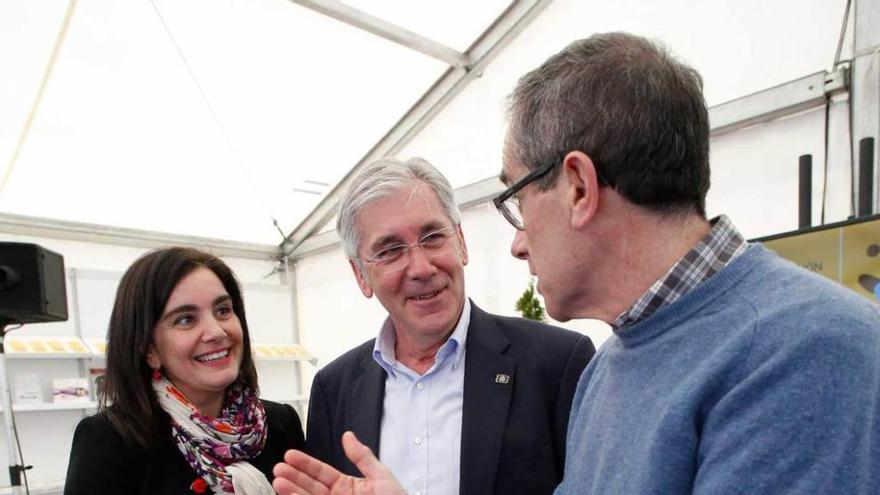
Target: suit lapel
[(368, 392), (488, 386)]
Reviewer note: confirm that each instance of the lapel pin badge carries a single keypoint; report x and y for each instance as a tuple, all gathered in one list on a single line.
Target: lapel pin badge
[(502, 378)]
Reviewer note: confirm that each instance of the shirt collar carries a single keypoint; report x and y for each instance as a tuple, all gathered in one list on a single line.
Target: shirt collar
[(383, 349), (714, 251)]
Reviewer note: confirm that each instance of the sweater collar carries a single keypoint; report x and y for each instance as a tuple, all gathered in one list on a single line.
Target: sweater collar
[(715, 250)]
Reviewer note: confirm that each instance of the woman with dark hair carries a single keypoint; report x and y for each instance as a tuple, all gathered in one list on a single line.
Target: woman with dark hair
[(179, 411)]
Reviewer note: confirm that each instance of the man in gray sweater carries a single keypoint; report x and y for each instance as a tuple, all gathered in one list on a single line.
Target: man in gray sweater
[(730, 370)]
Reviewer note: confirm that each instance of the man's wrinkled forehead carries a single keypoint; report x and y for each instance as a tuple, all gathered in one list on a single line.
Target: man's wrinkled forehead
[(417, 199), (416, 194), (420, 195)]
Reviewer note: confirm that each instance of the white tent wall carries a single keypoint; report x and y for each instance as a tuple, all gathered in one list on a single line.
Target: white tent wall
[(755, 172), (738, 47), (94, 270)]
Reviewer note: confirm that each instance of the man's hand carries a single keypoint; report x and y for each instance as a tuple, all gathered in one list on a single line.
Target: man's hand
[(301, 474)]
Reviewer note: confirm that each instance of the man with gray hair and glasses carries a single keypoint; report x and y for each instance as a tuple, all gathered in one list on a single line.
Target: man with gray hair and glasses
[(730, 371), (453, 399)]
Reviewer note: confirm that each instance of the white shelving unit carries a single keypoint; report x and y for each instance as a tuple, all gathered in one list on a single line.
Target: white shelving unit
[(34, 355), (282, 352), (55, 406), (295, 400), (40, 349), (40, 489), (29, 348), (276, 364)]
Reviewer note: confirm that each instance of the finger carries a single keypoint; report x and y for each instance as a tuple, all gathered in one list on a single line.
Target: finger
[(289, 480), (362, 457), (308, 471), (284, 487)]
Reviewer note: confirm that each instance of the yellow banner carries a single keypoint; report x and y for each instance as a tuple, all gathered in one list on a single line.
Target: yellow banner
[(849, 254)]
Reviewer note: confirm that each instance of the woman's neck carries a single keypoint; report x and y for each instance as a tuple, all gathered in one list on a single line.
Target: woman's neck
[(212, 407), (208, 403)]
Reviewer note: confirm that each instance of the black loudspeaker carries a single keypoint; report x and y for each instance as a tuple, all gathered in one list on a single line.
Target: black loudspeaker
[(32, 288), (805, 191), (866, 177)]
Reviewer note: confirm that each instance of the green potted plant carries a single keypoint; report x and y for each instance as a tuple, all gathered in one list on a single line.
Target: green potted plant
[(528, 304)]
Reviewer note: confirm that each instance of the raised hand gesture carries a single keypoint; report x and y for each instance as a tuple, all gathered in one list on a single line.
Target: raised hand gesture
[(302, 474)]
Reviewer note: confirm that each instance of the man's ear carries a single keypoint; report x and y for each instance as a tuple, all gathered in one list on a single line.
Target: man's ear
[(361, 278), (464, 255), (581, 187)]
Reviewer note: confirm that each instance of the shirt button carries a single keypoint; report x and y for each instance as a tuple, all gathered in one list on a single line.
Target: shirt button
[(417, 440), (420, 386)]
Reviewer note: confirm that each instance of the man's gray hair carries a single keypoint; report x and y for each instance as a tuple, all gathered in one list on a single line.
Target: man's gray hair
[(381, 179)]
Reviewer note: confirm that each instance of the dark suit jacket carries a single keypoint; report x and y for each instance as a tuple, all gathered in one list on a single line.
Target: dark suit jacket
[(512, 435), (102, 463)]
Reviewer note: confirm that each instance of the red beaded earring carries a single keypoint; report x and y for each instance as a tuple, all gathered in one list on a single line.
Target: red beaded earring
[(157, 375)]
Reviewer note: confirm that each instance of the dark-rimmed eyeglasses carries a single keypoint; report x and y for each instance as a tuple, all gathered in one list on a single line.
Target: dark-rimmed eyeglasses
[(508, 204)]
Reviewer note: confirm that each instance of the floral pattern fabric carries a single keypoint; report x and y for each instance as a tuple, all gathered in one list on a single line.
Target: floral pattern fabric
[(212, 445)]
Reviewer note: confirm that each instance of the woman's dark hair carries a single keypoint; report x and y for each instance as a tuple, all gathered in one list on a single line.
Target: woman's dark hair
[(143, 292)]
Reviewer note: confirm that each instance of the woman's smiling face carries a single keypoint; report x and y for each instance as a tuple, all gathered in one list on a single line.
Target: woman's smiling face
[(198, 339)]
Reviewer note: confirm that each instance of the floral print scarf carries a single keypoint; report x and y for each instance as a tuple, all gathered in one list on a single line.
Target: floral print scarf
[(218, 448)]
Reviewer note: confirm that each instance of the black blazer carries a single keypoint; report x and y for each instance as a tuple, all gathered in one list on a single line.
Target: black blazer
[(512, 435), (102, 463)]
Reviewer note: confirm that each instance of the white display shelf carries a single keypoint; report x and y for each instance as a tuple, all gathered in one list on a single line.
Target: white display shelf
[(54, 406), (76, 348), (46, 347), (289, 400), (282, 352), (287, 358), (41, 489), (51, 355)]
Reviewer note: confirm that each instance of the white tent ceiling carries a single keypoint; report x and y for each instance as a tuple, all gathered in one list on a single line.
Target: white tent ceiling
[(204, 117)]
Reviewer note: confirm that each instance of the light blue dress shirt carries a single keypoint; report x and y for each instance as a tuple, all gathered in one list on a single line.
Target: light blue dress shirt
[(420, 439)]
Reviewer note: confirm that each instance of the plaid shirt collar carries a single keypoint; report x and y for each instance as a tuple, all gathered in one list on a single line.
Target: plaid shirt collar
[(719, 247)]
